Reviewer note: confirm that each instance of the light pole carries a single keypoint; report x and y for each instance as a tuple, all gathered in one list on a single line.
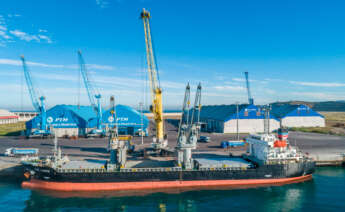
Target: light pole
[(237, 127), (141, 119)]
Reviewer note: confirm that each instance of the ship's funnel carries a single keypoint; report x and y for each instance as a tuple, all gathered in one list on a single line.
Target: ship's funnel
[(283, 134)]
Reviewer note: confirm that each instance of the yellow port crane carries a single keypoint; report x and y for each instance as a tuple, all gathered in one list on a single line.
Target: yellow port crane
[(156, 108)]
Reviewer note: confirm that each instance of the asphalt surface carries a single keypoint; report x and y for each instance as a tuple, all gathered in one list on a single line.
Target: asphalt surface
[(325, 147)]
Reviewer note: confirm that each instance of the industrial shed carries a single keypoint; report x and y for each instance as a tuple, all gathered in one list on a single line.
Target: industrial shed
[(298, 116), (73, 120), (129, 120), (6, 117), (65, 120), (223, 119)]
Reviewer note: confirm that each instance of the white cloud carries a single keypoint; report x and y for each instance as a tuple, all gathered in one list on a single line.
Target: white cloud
[(4, 61), (3, 28), (24, 36), (238, 79), (100, 67), (13, 15), (319, 84), (102, 3), (19, 63), (44, 37), (241, 79), (230, 88), (4, 35), (42, 30), (6, 38), (27, 37)]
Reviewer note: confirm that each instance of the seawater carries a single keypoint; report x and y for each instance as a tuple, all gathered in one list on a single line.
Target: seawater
[(326, 192)]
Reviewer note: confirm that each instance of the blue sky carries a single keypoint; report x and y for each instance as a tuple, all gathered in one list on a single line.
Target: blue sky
[(293, 50)]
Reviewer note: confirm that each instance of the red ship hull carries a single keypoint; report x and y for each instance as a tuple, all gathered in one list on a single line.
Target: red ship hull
[(123, 186)]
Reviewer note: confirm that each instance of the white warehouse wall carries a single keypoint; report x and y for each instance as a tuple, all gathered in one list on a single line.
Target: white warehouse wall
[(249, 125), (60, 132), (303, 121)]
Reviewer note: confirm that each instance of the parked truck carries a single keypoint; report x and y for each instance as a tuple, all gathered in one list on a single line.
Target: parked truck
[(14, 151)]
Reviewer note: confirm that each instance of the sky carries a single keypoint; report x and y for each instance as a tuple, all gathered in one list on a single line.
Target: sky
[(293, 50)]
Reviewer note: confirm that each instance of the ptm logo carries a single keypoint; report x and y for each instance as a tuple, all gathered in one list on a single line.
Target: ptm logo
[(50, 119), (111, 119)]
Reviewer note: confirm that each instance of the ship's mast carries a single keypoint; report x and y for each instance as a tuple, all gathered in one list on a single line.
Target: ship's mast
[(267, 109)]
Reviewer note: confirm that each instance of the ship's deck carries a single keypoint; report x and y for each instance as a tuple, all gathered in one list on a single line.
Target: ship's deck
[(85, 164), (157, 162), (221, 162)]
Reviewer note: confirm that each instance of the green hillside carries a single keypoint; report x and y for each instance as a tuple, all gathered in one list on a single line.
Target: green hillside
[(334, 106)]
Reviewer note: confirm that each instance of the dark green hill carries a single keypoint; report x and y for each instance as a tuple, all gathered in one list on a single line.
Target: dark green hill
[(335, 106)]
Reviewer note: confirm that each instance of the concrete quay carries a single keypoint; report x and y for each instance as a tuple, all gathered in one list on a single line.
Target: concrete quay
[(327, 150)]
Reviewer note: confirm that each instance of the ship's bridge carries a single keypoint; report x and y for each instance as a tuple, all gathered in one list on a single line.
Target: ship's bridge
[(262, 139)]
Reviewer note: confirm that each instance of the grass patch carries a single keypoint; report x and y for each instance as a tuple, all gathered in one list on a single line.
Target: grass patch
[(323, 130), (334, 116), (12, 129)]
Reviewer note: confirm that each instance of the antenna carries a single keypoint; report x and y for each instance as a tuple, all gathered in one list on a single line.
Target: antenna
[(267, 109)]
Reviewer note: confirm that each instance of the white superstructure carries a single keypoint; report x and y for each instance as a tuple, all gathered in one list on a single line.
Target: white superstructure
[(267, 148)]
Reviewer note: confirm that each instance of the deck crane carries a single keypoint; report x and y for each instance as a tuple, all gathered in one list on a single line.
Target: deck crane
[(160, 140), (93, 98), (250, 98), (189, 129), (38, 103)]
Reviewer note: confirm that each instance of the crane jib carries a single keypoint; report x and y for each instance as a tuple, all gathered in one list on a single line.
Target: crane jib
[(156, 91)]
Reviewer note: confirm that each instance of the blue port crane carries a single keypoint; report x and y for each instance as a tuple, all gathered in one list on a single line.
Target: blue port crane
[(250, 98), (94, 97), (38, 103)]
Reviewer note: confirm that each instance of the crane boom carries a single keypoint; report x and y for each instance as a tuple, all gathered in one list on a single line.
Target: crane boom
[(88, 86), (185, 110), (156, 91), (188, 130), (31, 88), (250, 98), (91, 91), (38, 103)]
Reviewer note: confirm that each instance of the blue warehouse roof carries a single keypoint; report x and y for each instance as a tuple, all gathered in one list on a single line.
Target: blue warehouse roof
[(228, 112), (284, 110), (65, 116), (85, 112), (126, 116)]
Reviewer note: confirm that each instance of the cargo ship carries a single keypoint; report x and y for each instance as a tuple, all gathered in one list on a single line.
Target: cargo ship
[(269, 160)]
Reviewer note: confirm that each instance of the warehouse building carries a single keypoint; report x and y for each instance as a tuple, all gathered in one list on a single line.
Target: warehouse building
[(25, 115), (65, 120), (298, 116), (73, 120), (223, 119), (6, 117), (129, 120)]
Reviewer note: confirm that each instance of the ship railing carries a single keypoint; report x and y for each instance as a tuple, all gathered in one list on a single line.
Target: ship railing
[(161, 169), (224, 168), (281, 161), (95, 170)]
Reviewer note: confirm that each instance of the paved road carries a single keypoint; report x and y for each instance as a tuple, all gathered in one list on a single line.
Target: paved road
[(325, 147)]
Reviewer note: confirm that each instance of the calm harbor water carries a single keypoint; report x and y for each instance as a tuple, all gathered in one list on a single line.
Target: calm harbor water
[(326, 192)]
